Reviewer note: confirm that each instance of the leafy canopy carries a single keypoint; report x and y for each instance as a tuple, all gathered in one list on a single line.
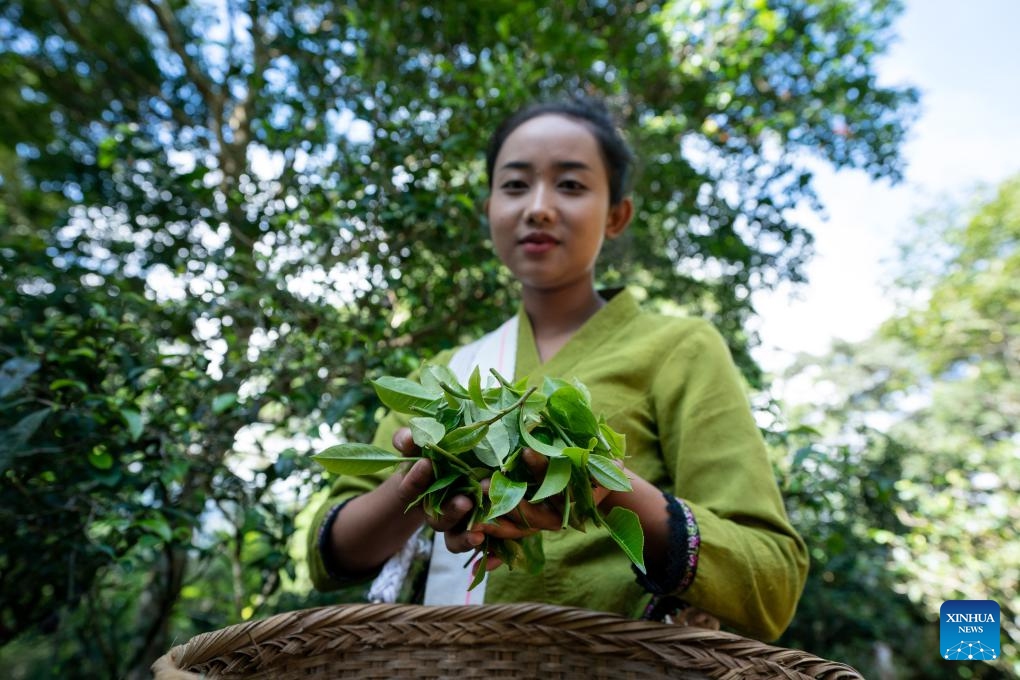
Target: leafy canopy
[(219, 221)]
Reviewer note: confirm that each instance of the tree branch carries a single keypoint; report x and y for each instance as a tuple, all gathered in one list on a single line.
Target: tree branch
[(167, 22)]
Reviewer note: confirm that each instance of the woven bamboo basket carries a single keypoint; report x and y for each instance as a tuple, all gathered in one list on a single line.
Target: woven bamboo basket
[(494, 641)]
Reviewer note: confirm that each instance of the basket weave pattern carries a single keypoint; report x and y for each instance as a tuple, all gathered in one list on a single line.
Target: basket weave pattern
[(494, 641)]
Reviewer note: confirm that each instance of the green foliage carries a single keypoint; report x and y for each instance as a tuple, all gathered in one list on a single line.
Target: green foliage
[(927, 410), (219, 221)]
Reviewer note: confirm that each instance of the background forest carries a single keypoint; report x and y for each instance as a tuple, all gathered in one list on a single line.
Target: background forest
[(220, 218)]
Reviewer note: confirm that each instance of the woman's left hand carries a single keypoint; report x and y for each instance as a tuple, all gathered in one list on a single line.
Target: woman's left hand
[(529, 518)]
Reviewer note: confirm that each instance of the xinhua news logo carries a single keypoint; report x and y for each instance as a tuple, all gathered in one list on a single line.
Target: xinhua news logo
[(969, 630)]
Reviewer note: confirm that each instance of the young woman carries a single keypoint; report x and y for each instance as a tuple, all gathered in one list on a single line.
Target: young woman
[(716, 535)]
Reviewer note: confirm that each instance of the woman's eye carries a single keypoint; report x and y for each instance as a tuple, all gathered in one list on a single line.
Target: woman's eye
[(571, 185), (514, 185)]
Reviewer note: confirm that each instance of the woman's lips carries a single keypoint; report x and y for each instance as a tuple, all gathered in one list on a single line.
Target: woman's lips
[(538, 243)]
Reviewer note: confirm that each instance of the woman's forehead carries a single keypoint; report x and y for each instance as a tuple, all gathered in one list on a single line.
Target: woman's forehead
[(549, 138)]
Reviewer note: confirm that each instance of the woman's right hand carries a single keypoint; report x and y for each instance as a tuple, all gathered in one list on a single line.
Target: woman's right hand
[(454, 513)]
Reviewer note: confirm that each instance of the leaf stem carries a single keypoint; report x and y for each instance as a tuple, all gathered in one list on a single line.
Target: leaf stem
[(504, 382), (450, 389), (508, 409), (452, 459)]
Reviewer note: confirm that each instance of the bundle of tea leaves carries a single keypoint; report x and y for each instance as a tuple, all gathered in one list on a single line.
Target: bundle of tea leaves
[(474, 433)]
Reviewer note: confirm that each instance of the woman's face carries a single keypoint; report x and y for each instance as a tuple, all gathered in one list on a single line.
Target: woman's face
[(549, 210)]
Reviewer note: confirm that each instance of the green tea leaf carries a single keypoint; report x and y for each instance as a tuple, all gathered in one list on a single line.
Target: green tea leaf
[(426, 431), (584, 500), (475, 388), (617, 443), (505, 494), (463, 438), (486, 455), (432, 377), (481, 569), (455, 389), (607, 473), (568, 409), (438, 485), (357, 459), (625, 528), (536, 444), (494, 448), (550, 385), (531, 413), (583, 391), (403, 395), (578, 456), (557, 475)]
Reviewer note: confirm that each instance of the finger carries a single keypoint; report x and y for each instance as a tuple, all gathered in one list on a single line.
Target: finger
[(544, 515), (536, 462), (453, 515), (416, 480), (463, 541), (404, 442), (501, 527)]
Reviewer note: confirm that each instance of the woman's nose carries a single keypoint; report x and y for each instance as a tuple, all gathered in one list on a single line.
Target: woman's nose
[(540, 209)]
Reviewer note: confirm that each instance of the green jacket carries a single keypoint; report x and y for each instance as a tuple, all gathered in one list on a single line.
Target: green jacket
[(670, 386)]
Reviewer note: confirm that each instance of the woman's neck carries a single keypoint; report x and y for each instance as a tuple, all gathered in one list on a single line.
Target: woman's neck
[(556, 315)]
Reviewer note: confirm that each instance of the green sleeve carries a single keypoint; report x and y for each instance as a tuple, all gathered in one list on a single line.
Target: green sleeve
[(752, 564)]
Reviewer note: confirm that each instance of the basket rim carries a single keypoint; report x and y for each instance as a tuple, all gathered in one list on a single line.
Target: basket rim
[(718, 654)]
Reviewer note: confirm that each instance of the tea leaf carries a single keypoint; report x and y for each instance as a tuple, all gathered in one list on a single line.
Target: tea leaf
[(578, 456), (617, 443), (625, 528), (426, 431), (583, 390), (403, 395), (437, 485), (607, 473), (481, 569), (535, 444), (434, 375), (505, 494), (494, 448), (557, 475), (357, 459), (463, 438), (568, 409), (584, 500), (550, 385), (475, 388)]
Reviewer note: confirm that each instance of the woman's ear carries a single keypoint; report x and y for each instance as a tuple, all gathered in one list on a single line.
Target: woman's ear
[(619, 217)]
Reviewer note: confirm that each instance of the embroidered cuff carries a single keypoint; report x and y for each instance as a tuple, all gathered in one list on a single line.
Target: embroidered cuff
[(682, 555)]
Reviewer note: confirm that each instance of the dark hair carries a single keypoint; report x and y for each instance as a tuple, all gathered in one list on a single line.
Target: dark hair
[(591, 112)]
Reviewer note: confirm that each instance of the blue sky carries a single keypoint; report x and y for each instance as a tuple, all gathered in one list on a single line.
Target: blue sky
[(964, 57)]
